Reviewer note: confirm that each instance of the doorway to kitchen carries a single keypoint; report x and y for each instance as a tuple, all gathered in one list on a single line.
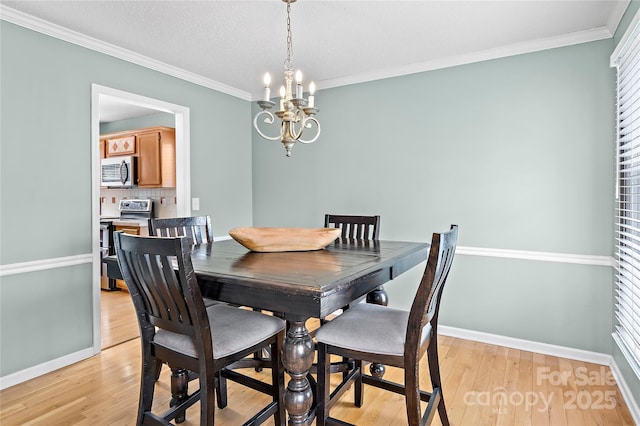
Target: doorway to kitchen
[(106, 101)]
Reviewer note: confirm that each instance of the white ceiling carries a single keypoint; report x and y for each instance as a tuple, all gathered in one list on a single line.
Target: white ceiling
[(229, 45), (114, 109)]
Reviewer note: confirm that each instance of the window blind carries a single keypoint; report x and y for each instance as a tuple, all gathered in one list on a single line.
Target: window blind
[(627, 296)]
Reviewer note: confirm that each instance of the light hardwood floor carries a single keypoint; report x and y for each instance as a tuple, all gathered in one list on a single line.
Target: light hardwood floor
[(483, 385), (119, 323)]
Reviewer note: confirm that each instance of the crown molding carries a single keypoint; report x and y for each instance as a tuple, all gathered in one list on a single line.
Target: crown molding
[(626, 40), (616, 15), (36, 24), (579, 37)]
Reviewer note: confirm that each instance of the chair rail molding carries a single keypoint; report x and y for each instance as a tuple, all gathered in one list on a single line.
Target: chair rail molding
[(44, 264), (582, 259)]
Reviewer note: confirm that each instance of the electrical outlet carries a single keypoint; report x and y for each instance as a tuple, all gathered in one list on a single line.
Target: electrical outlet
[(195, 204)]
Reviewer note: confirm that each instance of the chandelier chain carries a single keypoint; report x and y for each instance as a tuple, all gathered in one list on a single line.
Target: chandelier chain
[(288, 63)]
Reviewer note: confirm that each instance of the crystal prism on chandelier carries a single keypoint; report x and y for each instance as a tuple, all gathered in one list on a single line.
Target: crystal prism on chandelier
[(296, 113)]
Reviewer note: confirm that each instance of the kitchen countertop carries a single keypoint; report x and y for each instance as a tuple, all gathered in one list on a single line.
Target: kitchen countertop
[(109, 218), (143, 223)]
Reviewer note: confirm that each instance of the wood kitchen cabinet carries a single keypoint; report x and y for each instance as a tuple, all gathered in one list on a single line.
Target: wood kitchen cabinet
[(149, 155), (128, 229), (122, 145), (155, 148)]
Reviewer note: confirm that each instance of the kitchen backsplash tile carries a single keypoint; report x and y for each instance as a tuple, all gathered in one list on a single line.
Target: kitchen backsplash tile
[(164, 200)]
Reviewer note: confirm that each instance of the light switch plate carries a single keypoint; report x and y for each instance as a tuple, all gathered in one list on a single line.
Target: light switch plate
[(195, 204)]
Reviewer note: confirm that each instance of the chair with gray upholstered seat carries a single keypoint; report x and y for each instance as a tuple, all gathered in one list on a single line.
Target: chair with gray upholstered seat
[(379, 334), (199, 229), (360, 230), (177, 328)]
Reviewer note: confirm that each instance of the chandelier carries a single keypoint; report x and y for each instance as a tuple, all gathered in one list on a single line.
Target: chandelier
[(296, 113)]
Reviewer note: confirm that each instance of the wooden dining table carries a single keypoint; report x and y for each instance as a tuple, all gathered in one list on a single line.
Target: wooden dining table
[(298, 286)]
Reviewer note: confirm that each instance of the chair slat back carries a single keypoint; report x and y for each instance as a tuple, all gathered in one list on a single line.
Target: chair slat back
[(196, 227), (354, 227), (426, 303), (163, 296)]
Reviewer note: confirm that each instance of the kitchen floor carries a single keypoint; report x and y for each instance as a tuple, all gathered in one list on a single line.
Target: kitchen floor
[(118, 318)]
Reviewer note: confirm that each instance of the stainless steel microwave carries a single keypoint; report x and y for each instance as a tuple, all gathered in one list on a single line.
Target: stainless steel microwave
[(121, 171)]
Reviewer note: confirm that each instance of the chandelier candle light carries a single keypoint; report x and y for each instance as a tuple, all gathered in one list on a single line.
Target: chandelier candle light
[(295, 113)]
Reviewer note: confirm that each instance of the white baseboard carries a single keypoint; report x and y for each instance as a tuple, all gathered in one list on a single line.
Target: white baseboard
[(44, 368), (625, 391), (554, 350), (527, 345)]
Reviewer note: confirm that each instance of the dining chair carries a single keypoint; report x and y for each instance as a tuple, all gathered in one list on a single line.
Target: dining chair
[(358, 229), (197, 227), (380, 334), (354, 227), (200, 230), (177, 328)]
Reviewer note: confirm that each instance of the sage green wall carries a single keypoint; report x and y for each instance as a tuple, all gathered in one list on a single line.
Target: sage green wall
[(44, 315), (45, 177), (517, 151)]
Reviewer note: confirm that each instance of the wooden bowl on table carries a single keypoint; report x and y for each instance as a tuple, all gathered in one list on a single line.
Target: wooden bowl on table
[(284, 239)]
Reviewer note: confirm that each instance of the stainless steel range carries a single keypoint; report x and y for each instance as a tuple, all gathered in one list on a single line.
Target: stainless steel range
[(136, 209), (132, 212)]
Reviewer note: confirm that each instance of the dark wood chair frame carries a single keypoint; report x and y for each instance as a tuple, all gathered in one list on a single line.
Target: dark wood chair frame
[(200, 230), (197, 227), (424, 310), (359, 229), (171, 300), (354, 227)]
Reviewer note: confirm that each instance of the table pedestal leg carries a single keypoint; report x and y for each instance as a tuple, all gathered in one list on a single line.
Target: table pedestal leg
[(377, 297), (297, 358)]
